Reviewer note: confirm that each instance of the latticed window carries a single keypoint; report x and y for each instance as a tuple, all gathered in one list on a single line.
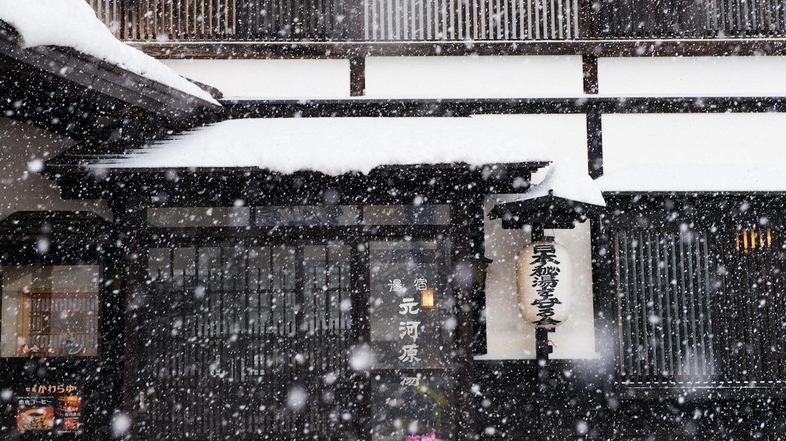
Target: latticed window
[(700, 306)]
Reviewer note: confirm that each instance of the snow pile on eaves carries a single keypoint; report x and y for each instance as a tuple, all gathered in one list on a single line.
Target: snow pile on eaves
[(73, 23), (740, 177), (567, 180), (336, 146)]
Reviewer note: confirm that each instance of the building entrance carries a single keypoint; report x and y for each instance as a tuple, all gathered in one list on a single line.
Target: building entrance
[(320, 339)]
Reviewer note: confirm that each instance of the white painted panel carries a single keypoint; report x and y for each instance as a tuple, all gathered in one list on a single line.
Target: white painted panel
[(692, 139), (473, 76), (508, 335), (23, 149), (692, 76), (269, 78)]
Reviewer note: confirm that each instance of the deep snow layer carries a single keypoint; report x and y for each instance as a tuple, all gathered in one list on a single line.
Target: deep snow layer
[(337, 145)]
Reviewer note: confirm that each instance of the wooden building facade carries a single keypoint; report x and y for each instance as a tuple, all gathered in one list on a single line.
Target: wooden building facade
[(245, 302)]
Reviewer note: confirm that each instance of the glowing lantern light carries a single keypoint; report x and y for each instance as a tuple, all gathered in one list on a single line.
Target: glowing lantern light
[(427, 298), (543, 277)]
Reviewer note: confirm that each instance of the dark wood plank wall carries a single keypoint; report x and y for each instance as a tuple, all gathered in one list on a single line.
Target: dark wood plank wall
[(438, 20)]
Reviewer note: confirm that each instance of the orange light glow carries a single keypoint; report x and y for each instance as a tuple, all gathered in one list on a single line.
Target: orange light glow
[(427, 298)]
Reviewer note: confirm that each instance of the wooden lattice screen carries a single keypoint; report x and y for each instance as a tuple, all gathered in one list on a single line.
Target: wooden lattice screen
[(701, 307), (55, 321), (253, 336)]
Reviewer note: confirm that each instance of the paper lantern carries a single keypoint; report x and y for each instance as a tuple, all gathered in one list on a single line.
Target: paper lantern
[(543, 277)]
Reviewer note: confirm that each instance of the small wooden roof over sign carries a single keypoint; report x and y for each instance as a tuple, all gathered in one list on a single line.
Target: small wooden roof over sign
[(550, 212), (567, 195)]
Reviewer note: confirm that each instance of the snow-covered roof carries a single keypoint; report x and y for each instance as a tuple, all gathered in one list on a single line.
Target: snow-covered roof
[(694, 178), (336, 146), (567, 180), (73, 24)]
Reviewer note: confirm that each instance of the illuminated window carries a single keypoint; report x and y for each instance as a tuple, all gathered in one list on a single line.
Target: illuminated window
[(750, 239), (50, 311)]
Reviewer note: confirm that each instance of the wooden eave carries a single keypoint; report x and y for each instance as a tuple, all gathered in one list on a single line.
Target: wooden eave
[(440, 183), (70, 236), (674, 210), (24, 226), (82, 97)]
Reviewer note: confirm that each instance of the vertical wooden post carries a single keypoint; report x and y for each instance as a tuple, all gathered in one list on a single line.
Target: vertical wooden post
[(589, 68), (131, 222), (467, 214), (594, 143), (360, 395), (543, 396), (357, 76)]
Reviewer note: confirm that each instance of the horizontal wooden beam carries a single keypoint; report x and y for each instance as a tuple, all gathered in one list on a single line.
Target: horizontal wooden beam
[(350, 49), (457, 107)]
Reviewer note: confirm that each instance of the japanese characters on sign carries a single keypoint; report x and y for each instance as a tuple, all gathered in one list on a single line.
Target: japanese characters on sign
[(544, 278), (410, 381), (409, 324), (50, 407)]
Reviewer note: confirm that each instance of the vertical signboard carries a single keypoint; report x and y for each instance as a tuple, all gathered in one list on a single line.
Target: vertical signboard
[(411, 324)]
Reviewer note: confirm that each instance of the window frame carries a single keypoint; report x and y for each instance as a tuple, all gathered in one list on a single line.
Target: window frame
[(717, 213)]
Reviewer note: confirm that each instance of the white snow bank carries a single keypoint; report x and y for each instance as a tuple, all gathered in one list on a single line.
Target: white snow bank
[(695, 177), (337, 145), (73, 23), (567, 180)]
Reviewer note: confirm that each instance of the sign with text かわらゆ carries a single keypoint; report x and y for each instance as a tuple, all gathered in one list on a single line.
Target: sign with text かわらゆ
[(55, 407)]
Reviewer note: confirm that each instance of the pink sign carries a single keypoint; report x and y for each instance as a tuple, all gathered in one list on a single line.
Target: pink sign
[(427, 437)]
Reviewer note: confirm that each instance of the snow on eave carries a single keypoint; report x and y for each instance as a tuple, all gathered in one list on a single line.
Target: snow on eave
[(692, 178), (73, 24), (335, 146), (566, 180)]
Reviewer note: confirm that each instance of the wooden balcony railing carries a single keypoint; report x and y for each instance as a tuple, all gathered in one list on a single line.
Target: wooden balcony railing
[(439, 20), (687, 19)]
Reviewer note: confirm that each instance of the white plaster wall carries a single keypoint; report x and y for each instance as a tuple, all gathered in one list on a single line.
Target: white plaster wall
[(22, 148), (692, 76), (269, 78), (473, 76), (508, 336), (726, 138)]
